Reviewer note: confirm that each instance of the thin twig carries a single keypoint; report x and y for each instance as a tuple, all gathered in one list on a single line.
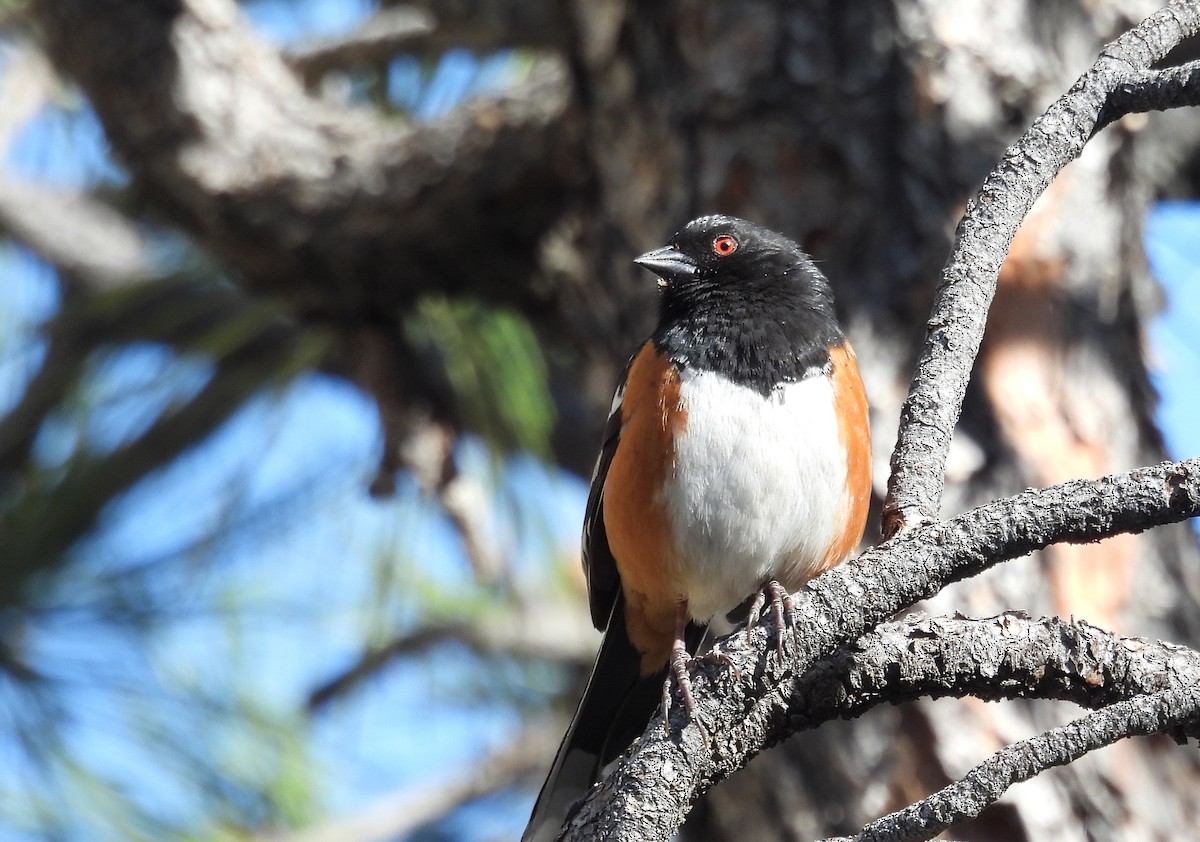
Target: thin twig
[(1156, 90), (89, 241), (554, 633), (1156, 713), (968, 282), (378, 38), (404, 812)]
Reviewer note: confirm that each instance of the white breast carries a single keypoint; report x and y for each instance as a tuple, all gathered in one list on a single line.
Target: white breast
[(756, 489)]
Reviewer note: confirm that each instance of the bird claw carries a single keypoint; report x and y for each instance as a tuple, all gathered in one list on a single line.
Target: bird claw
[(678, 669), (783, 610), (678, 665)]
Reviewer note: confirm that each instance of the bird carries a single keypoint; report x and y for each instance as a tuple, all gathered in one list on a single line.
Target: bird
[(735, 466)]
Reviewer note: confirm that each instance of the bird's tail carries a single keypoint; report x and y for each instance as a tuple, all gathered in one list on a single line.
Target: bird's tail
[(615, 708)]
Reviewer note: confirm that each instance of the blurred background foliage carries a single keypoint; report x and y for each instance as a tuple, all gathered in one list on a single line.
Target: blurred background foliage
[(154, 683)]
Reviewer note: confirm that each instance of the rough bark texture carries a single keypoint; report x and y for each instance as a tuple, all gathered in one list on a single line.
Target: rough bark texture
[(859, 128), (964, 296), (1155, 713), (738, 719), (862, 128)]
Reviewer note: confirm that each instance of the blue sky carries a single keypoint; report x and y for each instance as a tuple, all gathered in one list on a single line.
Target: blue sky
[(1173, 246), (262, 616)]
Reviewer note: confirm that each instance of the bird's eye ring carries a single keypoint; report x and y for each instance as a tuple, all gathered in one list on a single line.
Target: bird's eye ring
[(724, 245)]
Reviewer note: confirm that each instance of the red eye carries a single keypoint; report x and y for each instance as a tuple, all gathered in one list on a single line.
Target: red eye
[(724, 245)]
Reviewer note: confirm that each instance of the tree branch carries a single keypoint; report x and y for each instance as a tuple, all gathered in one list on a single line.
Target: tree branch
[(343, 215), (1155, 90), (1156, 713), (1005, 657), (339, 212), (993, 215), (489, 25), (838, 607), (378, 38), (547, 635), (86, 240), (402, 813)]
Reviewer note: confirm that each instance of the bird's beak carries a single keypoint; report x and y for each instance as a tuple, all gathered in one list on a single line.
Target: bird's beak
[(669, 264)]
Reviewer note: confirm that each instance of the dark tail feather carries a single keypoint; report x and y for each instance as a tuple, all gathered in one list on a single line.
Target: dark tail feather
[(616, 705)]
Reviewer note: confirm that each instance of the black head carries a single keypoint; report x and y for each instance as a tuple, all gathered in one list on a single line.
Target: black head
[(742, 299), (715, 254)]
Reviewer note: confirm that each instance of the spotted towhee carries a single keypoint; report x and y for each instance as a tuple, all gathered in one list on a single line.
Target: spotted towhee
[(736, 459)]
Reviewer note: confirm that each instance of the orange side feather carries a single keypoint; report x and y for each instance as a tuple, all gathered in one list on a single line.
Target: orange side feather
[(854, 433), (634, 518)]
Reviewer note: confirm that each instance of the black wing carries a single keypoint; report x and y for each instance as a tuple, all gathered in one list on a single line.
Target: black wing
[(599, 567), (618, 700)]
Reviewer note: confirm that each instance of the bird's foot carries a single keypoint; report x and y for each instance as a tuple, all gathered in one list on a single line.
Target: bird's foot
[(677, 668), (783, 610)]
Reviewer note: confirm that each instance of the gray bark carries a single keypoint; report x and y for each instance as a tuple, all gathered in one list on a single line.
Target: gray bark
[(737, 719)]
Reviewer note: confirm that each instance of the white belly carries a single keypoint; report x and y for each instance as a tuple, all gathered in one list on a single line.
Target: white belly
[(756, 488)]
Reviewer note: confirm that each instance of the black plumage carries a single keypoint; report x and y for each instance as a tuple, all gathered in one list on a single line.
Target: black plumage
[(761, 316)]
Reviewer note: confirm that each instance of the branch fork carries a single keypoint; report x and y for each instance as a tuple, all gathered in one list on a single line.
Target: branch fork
[(839, 612)]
